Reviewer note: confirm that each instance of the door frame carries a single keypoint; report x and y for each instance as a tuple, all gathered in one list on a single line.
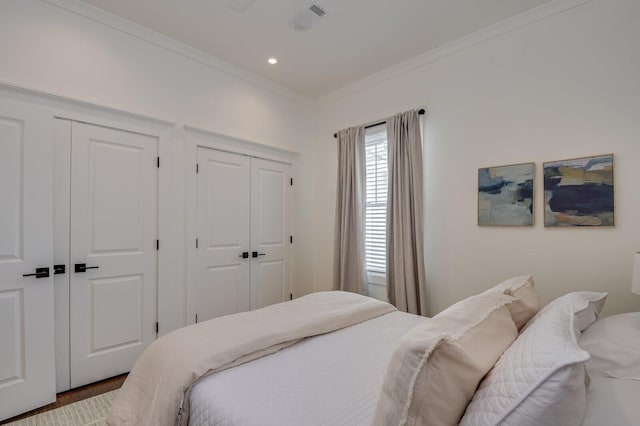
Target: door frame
[(199, 138)]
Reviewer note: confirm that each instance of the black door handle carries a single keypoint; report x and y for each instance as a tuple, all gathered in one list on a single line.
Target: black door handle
[(40, 273), (244, 255), (82, 267), (256, 254)]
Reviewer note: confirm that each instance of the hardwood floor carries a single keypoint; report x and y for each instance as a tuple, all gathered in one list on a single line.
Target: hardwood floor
[(75, 395)]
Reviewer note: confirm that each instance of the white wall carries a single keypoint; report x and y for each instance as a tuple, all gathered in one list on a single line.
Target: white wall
[(562, 87), (50, 49), (566, 86), (53, 50)]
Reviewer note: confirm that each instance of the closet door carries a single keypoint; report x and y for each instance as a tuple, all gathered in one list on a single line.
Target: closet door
[(270, 232), (223, 262), (113, 228), (27, 373)]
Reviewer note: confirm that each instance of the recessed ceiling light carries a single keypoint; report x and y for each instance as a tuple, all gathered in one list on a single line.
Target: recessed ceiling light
[(272, 61)]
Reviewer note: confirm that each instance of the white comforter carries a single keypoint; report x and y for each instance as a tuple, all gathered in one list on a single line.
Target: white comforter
[(333, 379), (154, 390)]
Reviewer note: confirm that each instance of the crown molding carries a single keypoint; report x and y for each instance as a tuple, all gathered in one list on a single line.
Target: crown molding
[(132, 29), (503, 27)]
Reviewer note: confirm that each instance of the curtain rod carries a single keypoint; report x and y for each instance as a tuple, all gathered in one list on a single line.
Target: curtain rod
[(421, 111)]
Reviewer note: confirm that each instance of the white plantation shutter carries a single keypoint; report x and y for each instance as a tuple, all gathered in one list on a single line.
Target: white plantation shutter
[(377, 178)]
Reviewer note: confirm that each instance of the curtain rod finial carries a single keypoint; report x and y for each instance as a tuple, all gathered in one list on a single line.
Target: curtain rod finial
[(421, 111), (335, 135)]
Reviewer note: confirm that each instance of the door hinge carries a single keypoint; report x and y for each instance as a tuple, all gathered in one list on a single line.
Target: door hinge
[(157, 244), (197, 168), (157, 328), (291, 239), (196, 318), (291, 181), (158, 162), (290, 296), (196, 243)]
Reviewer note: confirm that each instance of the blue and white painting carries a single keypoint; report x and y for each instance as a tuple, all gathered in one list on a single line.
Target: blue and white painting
[(505, 195), (579, 192)]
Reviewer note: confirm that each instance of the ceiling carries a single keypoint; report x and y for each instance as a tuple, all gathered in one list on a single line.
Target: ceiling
[(354, 39)]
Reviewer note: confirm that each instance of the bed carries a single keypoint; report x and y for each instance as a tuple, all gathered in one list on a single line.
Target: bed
[(357, 374)]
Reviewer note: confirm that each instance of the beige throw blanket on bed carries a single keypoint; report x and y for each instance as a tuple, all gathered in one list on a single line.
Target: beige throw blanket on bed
[(156, 390)]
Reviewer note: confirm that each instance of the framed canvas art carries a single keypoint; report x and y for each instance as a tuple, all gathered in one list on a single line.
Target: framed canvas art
[(505, 195), (579, 192)]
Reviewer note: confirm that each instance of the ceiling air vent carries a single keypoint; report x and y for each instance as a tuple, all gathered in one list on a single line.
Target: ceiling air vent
[(317, 10), (307, 18)]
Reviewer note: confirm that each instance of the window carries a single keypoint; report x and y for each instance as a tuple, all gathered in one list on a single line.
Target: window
[(376, 197)]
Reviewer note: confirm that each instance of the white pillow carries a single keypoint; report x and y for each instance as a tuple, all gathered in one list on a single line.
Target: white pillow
[(586, 305), (614, 345), (540, 379)]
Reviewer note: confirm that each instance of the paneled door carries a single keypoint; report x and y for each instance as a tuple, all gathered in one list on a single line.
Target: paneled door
[(27, 373), (270, 232), (223, 250), (113, 257), (243, 233)]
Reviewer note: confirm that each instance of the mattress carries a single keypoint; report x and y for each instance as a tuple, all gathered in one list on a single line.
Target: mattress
[(330, 379)]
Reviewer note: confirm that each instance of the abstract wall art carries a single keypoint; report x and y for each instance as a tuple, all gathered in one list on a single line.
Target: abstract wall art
[(505, 195), (579, 192)]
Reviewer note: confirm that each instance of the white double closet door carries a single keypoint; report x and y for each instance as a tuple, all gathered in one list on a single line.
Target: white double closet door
[(106, 235), (243, 233)]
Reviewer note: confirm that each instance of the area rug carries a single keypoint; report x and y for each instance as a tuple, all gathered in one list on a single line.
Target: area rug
[(91, 411)]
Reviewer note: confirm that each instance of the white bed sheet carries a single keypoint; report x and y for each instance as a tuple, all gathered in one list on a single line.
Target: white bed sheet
[(612, 402), (613, 398), (332, 379)]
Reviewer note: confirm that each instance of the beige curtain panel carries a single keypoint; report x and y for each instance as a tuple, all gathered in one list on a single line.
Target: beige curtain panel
[(349, 263), (405, 235)]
